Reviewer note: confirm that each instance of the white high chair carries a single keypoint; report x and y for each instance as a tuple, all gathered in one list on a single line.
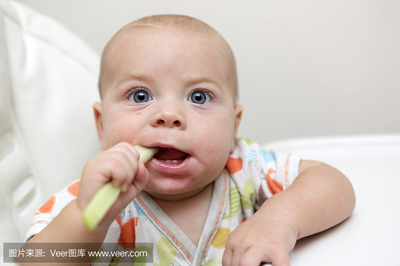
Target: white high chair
[(48, 83)]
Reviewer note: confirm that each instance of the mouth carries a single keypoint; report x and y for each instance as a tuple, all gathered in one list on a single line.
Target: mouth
[(171, 156)]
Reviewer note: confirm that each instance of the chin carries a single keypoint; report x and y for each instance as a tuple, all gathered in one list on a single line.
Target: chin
[(171, 191)]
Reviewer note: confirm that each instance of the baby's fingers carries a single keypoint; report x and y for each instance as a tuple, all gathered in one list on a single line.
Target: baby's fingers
[(120, 170), (251, 257), (141, 178), (254, 255), (123, 165), (128, 150), (227, 257), (278, 259), (138, 183)]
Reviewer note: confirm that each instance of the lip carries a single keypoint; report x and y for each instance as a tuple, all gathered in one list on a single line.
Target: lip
[(165, 145), (164, 167), (170, 167)]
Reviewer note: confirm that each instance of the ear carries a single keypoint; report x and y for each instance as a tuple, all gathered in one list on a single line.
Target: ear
[(238, 117), (98, 108)]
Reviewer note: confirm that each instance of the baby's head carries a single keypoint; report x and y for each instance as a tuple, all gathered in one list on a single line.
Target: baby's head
[(185, 24), (170, 81)]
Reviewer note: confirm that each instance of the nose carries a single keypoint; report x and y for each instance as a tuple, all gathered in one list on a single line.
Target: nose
[(169, 116)]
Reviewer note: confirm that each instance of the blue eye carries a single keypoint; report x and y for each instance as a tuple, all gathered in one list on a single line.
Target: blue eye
[(199, 97), (140, 96)]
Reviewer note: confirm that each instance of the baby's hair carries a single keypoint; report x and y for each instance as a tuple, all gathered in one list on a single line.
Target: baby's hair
[(184, 23)]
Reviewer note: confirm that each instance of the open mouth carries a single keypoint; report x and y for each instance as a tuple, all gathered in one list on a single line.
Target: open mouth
[(171, 156)]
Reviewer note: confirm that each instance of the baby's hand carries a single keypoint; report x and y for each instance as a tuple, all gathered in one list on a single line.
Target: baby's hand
[(120, 165), (260, 239)]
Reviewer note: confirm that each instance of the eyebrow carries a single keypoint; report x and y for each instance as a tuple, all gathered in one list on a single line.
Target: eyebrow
[(189, 79), (194, 79), (136, 76)]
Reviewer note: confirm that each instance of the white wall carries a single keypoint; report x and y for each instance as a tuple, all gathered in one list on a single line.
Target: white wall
[(306, 68)]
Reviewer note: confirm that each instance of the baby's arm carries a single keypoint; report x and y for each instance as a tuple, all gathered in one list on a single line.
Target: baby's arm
[(120, 164), (319, 198)]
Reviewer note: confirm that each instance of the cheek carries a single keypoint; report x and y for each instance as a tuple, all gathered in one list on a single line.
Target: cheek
[(225, 127), (218, 135), (120, 129)]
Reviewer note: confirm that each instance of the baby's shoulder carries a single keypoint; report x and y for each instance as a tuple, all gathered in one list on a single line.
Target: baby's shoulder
[(249, 154)]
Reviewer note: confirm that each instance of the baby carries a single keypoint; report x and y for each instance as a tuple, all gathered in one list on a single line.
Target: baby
[(170, 81)]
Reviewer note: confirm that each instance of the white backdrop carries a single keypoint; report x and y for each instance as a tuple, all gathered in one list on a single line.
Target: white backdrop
[(306, 68)]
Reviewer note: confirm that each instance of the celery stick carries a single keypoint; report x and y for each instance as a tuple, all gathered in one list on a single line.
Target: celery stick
[(99, 205), (108, 193), (146, 153)]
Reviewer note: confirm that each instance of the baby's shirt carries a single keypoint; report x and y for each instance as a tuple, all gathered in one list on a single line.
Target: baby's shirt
[(252, 175)]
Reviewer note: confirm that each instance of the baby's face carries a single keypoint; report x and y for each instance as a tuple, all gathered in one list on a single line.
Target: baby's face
[(170, 89)]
